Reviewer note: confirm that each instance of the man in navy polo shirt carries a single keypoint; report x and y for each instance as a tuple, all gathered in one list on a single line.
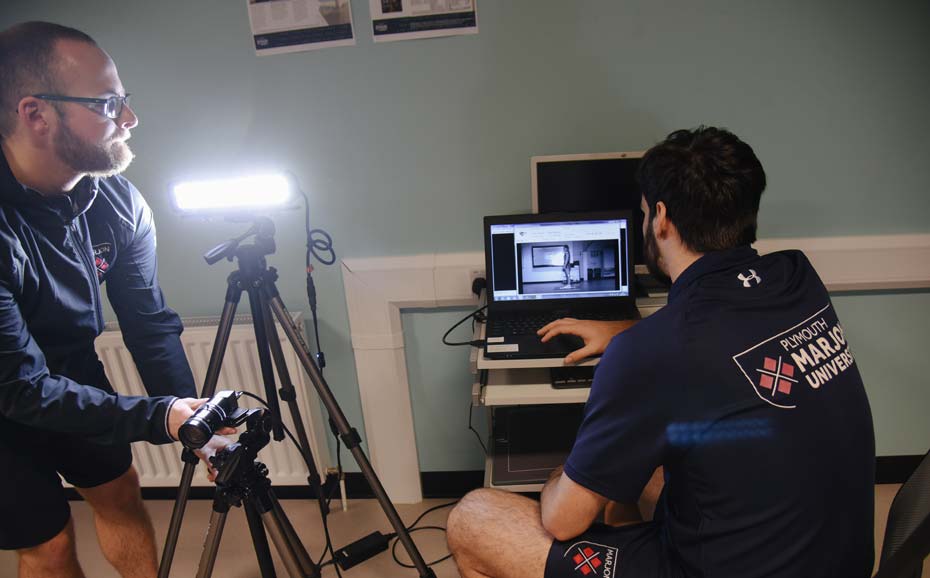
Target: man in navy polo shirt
[(741, 395)]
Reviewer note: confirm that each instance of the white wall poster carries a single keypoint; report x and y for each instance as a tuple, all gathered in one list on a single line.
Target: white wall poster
[(291, 25), (410, 19)]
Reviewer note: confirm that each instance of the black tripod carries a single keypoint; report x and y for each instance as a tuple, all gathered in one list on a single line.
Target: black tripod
[(241, 480), (258, 280)]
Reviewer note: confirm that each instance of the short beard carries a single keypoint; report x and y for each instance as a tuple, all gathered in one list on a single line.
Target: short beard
[(96, 160), (652, 256)]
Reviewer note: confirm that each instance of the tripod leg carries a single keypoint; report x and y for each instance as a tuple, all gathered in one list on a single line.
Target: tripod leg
[(348, 435), (211, 543), (292, 552), (259, 539), (303, 557), (233, 294), (177, 515), (264, 359), (289, 395)]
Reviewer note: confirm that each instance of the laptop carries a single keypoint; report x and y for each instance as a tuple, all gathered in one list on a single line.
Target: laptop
[(542, 267)]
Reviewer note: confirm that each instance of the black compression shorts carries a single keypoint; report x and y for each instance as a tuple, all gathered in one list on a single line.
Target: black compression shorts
[(33, 506)]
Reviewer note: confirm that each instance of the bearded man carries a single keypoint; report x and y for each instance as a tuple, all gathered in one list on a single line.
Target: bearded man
[(736, 413), (69, 224)]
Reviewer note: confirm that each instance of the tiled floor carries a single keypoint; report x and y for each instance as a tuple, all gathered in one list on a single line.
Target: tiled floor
[(237, 559)]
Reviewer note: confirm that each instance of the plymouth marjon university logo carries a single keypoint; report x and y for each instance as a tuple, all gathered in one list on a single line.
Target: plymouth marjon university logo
[(592, 560), (808, 355), (102, 258)]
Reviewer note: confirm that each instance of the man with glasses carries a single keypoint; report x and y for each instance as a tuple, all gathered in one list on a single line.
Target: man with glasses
[(69, 223)]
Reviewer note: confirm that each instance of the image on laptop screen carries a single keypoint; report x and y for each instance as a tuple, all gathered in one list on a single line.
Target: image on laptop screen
[(560, 259)]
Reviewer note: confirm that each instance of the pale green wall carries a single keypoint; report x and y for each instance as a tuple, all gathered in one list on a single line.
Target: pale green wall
[(403, 147)]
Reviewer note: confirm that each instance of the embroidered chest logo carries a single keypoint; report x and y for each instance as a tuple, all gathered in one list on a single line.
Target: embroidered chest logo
[(592, 560), (811, 353), (102, 258), (748, 278)]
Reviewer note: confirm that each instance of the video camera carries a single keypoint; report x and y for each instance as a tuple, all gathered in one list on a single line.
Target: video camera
[(221, 411)]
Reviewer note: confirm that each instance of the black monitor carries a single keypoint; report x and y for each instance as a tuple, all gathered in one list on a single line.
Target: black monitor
[(589, 182)]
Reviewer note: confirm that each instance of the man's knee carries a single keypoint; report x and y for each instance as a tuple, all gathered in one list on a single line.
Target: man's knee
[(497, 533), (471, 517), (54, 554), (461, 519)]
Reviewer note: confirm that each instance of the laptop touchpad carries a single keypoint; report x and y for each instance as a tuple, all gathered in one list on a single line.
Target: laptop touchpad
[(566, 343)]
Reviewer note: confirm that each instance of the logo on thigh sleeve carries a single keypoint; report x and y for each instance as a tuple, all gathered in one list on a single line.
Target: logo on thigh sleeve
[(592, 560)]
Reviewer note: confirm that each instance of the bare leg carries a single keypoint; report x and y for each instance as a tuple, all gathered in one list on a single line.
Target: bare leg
[(124, 528), (498, 534), (56, 558)]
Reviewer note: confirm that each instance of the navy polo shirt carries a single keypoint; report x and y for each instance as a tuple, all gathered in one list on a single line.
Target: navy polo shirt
[(745, 389)]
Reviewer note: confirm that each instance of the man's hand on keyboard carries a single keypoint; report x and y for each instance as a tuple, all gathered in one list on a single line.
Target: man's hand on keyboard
[(595, 334)]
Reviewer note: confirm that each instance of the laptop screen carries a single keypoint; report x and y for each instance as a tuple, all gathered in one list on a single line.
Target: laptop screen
[(559, 259)]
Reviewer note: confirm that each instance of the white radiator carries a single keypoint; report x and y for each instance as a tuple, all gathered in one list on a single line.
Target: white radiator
[(161, 465)]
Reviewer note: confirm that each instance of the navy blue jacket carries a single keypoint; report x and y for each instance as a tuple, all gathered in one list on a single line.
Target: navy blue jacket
[(55, 252), (745, 389)]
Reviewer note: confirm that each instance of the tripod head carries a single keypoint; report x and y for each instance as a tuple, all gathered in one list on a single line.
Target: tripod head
[(234, 462), (263, 230)]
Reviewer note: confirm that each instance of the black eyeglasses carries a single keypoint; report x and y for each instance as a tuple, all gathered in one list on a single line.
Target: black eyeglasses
[(112, 107)]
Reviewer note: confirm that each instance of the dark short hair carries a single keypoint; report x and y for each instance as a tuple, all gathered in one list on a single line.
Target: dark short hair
[(27, 64), (710, 182)]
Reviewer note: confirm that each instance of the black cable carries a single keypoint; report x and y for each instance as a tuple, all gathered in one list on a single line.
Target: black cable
[(433, 509), (320, 246), (319, 243), (412, 528), (474, 342), (428, 564), (474, 431), (316, 245), (328, 547)]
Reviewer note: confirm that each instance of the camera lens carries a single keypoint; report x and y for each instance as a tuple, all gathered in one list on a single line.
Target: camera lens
[(197, 430), (195, 433)]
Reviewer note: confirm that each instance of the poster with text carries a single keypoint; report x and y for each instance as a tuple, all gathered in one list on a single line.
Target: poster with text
[(280, 26), (411, 19)]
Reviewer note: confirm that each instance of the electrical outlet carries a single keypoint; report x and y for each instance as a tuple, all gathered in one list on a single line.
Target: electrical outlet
[(475, 274)]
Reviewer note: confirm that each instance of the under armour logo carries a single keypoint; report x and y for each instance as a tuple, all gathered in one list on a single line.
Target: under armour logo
[(747, 278)]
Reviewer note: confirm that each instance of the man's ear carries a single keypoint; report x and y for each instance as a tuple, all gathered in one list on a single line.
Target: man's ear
[(660, 222), (33, 115)]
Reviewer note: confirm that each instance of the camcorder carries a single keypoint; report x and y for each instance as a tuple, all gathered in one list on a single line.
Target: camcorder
[(221, 411)]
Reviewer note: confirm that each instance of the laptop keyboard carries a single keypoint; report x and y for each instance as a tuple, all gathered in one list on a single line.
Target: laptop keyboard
[(529, 323)]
